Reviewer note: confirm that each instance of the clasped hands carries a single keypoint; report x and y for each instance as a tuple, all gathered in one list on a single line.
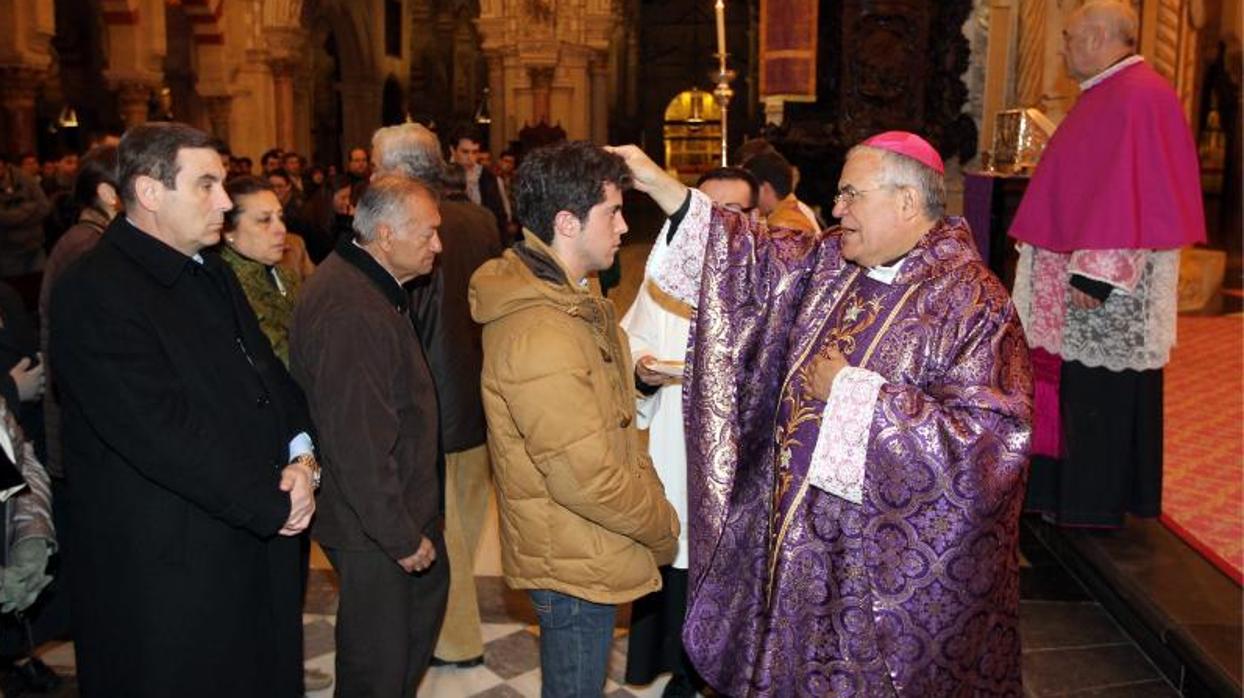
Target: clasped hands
[(421, 559), (296, 479)]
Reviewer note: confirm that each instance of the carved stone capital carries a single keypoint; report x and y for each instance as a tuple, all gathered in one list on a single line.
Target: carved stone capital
[(541, 77), (134, 101), (282, 69), (129, 92), (285, 43), (599, 63)]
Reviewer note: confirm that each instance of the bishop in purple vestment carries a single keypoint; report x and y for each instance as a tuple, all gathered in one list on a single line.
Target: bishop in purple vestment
[(858, 417)]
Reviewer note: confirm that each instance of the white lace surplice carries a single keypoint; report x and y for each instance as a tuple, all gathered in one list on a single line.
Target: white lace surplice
[(1133, 330)]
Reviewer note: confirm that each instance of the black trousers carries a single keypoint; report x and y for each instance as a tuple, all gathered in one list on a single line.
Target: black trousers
[(655, 642), (387, 622), (1111, 461)]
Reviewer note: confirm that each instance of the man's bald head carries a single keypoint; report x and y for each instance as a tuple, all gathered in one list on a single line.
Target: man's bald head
[(1098, 34), (1117, 19)]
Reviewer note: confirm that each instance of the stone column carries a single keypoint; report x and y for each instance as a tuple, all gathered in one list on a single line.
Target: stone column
[(632, 74), (134, 100), (285, 44), (498, 137), (18, 86), (219, 108), (599, 71), (1030, 72), (283, 96), (541, 92), (360, 112)]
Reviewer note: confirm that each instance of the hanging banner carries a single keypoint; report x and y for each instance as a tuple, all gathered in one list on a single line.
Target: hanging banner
[(788, 49)]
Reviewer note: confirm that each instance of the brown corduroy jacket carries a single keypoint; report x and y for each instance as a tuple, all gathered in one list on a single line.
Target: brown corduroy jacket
[(355, 353)]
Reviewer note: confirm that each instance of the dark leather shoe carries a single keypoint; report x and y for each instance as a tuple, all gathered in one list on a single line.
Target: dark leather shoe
[(462, 664)]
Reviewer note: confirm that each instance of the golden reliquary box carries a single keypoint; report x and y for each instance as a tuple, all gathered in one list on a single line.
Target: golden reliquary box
[(1019, 137)]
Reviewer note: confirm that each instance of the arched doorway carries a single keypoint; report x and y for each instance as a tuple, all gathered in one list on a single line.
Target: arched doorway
[(692, 134), (346, 89)]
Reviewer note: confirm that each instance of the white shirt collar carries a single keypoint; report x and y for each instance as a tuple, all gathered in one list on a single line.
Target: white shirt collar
[(1126, 62), (885, 274)]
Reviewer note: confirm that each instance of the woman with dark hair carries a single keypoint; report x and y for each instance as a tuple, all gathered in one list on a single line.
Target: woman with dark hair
[(95, 195), (254, 242)]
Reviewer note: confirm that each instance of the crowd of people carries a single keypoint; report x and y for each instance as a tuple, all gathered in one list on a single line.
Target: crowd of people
[(230, 364), (40, 201)]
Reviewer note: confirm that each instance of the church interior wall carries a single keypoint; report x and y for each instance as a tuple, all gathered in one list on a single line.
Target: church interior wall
[(614, 64)]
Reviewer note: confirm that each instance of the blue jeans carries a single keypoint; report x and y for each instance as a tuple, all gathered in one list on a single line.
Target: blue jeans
[(575, 638)]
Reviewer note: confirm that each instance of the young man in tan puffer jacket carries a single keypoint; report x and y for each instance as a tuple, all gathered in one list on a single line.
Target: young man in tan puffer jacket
[(584, 518)]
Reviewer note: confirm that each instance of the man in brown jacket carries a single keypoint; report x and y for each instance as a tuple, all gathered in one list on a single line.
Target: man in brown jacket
[(584, 519), (469, 237), (356, 354)]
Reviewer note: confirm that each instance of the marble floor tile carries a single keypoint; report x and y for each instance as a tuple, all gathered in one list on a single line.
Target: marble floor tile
[(1060, 671), (318, 638), (501, 690), (652, 690), (613, 689), (513, 654), (1054, 624), (324, 663), (492, 631), (1071, 645), (527, 685)]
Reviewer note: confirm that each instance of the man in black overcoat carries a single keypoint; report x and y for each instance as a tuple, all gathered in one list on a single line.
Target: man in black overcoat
[(186, 447)]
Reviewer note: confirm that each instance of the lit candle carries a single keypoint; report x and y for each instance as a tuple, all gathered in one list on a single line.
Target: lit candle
[(721, 27)]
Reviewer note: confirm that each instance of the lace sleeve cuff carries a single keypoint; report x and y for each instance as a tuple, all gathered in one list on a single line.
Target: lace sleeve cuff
[(676, 267), (838, 458)]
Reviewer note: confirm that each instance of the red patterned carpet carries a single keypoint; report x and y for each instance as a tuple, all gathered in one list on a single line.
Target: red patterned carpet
[(1203, 492)]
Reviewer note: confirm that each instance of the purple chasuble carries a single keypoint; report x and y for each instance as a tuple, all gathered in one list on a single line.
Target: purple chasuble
[(794, 591)]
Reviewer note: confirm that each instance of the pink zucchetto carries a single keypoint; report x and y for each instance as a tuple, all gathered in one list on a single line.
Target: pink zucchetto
[(909, 145)]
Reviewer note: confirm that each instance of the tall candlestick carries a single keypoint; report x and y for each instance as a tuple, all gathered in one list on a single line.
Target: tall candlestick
[(723, 93)]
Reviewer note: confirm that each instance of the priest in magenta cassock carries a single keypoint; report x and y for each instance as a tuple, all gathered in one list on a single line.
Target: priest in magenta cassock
[(1116, 194), (858, 415)]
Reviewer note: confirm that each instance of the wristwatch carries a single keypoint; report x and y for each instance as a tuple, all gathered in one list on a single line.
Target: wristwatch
[(308, 460)]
